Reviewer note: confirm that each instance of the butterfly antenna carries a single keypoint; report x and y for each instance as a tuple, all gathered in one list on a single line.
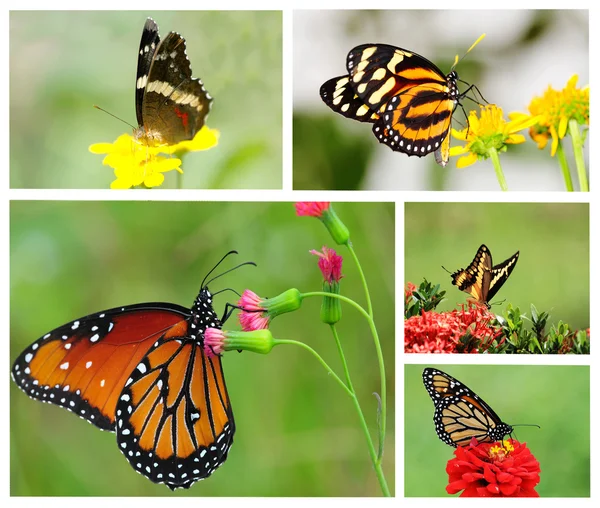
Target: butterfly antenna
[(456, 59), (215, 267), (227, 271), (526, 425), (446, 269), (115, 116)]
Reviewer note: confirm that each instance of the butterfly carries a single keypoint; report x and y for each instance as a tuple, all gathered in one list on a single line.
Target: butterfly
[(482, 280), (141, 371), (406, 97), (170, 105), (460, 414)]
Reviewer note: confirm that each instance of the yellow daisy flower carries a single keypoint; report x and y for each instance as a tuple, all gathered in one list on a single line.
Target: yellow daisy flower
[(136, 163), (554, 109), (486, 133)]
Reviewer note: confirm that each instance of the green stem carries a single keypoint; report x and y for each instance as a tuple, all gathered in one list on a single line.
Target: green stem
[(564, 166), (362, 278), (350, 391), (319, 358), (375, 458), (578, 152), (342, 357), (179, 182), (493, 153), (380, 361), (339, 297)]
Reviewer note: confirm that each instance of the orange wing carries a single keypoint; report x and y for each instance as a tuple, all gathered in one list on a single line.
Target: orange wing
[(174, 419), (83, 365)]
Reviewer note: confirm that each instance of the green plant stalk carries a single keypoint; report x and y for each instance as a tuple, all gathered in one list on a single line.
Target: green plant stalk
[(375, 335), (380, 361), (578, 152), (362, 278), (350, 391), (493, 153), (564, 166), (277, 342)]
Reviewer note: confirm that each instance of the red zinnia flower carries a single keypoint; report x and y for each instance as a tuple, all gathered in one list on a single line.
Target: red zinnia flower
[(311, 208), (433, 332), (506, 469), (330, 264)]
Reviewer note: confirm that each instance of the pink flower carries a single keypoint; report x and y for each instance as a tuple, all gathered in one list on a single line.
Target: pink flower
[(506, 469), (311, 208), (214, 341), (330, 264), (253, 316)]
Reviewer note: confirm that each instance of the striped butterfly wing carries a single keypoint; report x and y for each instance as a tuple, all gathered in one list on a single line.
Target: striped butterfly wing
[(148, 43), (475, 279), (460, 414), (174, 419), (500, 274), (174, 103), (412, 96), (339, 95), (84, 364)]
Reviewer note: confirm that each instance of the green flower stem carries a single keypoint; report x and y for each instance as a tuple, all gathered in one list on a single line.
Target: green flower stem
[(578, 151), (362, 278), (375, 458), (320, 360), (179, 182), (379, 357), (350, 391), (493, 153), (564, 165), (342, 357)]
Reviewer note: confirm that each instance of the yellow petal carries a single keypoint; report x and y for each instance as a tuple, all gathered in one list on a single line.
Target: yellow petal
[(554, 141), (154, 180), (458, 150), (460, 135), (562, 126), (101, 148), (467, 160), (515, 139)]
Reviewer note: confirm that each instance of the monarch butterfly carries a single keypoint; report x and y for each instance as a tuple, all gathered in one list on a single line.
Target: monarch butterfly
[(408, 98), (460, 414), (482, 280), (140, 371)]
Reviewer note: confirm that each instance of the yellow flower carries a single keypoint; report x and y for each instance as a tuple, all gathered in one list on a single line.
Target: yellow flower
[(554, 109), (137, 163), (490, 131)]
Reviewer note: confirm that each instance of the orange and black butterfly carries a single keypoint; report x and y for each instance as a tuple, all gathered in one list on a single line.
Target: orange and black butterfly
[(481, 279), (460, 414), (408, 98), (141, 371)]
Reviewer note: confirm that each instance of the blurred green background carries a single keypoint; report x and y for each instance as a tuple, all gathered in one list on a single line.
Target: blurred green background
[(553, 271), (523, 53), (64, 62), (557, 398), (297, 433)]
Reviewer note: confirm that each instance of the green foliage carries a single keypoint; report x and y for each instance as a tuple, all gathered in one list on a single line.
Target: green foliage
[(517, 338), (426, 297)]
